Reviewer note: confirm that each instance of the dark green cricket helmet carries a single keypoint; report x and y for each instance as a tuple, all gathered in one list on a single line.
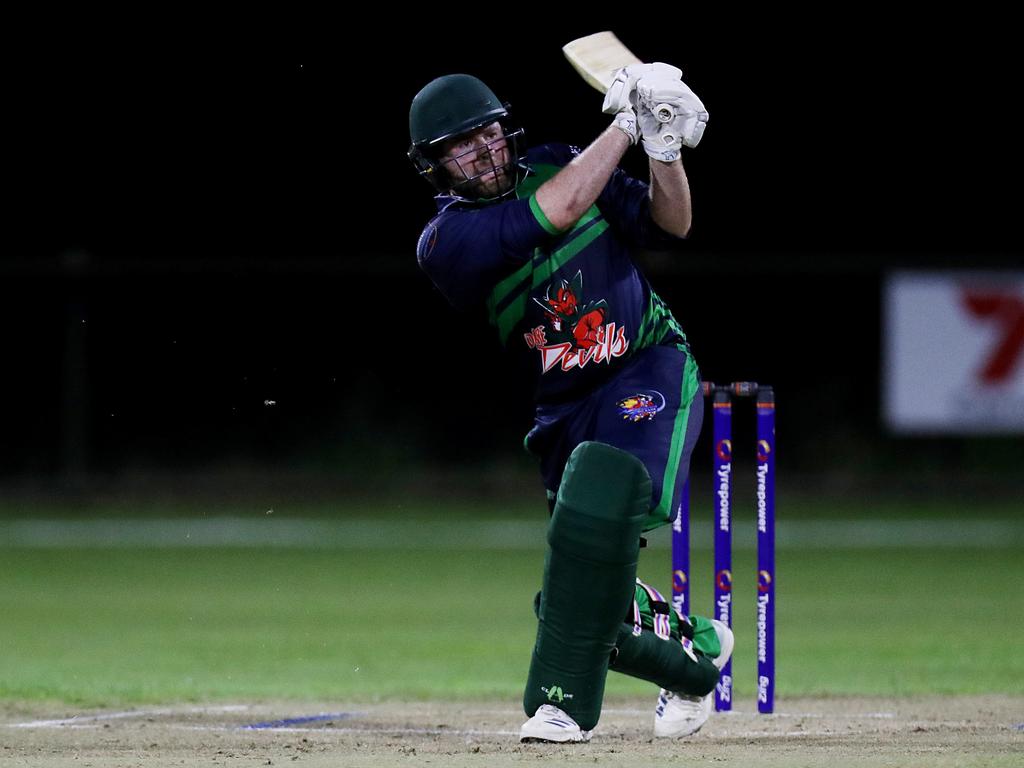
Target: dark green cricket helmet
[(451, 105), (447, 107)]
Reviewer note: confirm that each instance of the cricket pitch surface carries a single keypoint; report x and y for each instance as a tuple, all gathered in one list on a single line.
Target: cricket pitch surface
[(831, 732)]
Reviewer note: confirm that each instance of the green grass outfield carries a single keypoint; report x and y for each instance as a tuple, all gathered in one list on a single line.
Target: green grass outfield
[(440, 606)]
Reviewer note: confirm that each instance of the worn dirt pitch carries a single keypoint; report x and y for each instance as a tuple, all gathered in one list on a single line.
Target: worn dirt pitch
[(832, 732)]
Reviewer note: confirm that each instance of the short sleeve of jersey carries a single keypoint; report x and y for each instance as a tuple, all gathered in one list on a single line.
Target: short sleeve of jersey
[(466, 250), (626, 203)]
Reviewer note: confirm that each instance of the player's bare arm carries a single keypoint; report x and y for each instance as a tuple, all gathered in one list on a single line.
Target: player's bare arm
[(670, 116), (670, 197), (569, 194), (667, 111)]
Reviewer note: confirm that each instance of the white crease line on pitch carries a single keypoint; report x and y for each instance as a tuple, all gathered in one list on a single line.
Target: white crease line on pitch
[(79, 720), (754, 715), (404, 731), (513, 733)]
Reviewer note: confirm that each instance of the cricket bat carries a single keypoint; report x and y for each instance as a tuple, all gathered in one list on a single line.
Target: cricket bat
[(598, 57)]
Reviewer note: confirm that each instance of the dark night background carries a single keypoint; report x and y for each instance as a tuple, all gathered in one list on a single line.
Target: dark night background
[(198, 228)]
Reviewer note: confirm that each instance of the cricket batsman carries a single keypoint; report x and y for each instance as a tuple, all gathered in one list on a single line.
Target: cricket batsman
[(543, 238)]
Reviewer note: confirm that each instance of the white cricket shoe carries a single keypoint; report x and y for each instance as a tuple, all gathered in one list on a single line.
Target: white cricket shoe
[(552, 724), (680, 715)]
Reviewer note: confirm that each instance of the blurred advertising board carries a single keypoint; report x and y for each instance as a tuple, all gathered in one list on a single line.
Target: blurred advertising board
[(953, 352)]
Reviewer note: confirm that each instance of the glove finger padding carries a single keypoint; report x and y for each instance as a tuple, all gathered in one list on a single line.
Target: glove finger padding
[(690, 128), (657, 90), (662, 141), (647, 120), (688, 120), (620, 92)]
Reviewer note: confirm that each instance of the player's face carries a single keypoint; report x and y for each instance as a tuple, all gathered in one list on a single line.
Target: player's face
[(478, 162)]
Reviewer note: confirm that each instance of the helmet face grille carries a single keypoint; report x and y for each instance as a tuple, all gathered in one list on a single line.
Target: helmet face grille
[(506, 174), (452, 176)]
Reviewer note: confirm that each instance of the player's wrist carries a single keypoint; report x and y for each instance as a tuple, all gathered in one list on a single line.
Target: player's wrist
[(625, 121), (657, 150)]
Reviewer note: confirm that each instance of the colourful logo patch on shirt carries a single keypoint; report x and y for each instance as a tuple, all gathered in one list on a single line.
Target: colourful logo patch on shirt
[(642, 406), (575, 333)]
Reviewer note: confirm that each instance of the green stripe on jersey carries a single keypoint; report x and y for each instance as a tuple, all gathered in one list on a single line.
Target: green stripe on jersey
[(657, 324), (542, 269), (509, 299), (541, 217)]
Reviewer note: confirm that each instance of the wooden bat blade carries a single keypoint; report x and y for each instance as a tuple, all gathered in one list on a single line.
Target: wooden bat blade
[(597, 57)]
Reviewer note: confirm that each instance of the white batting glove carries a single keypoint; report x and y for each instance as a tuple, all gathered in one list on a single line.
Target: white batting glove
[(625, 120), (620, 92), (658, 139), (620, 100), (670, 116)]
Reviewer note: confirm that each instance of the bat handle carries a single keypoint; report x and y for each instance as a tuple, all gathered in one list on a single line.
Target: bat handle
[(665, 113)]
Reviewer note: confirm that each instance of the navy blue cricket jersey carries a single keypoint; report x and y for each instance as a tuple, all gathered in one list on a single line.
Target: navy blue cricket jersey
[(570, 307), (609, 361)]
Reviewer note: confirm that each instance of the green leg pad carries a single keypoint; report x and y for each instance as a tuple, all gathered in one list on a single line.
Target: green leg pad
[(589, 573), (663, 662)]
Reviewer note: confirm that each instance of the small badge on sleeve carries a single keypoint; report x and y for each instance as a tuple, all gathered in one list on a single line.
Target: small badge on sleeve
[(427, 241)]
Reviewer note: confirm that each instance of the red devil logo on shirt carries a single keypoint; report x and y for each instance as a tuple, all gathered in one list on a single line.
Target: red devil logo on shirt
[(575, 333), (567, 320)]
